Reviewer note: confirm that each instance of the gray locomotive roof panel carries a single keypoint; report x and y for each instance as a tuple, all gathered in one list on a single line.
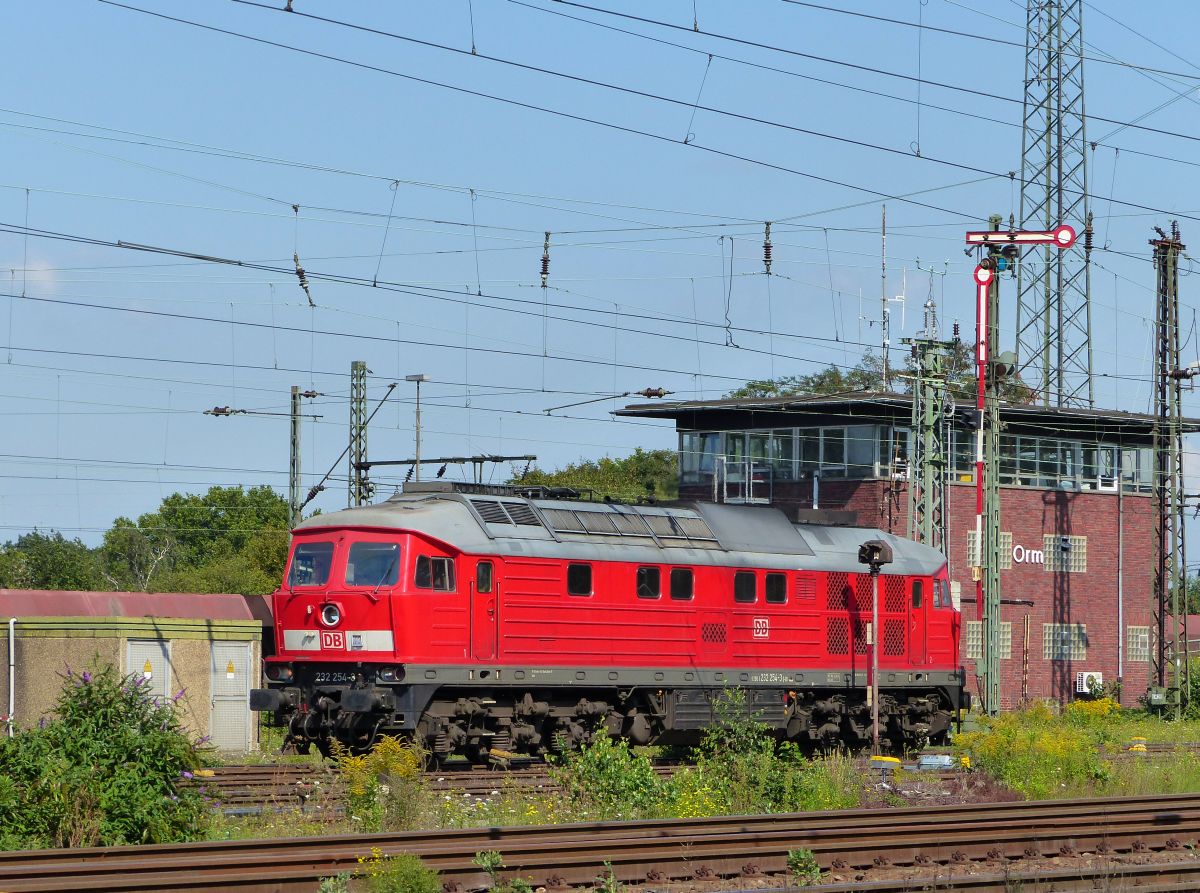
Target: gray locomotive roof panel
[(704, 534)]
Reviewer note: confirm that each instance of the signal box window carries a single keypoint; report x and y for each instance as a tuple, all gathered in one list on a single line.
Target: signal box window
[(435, 573), (681, 584), (579, 579), (649, 582), (310, 564), (917, 593), (743, 587), (776, 589), (373, 564), (483, 576)]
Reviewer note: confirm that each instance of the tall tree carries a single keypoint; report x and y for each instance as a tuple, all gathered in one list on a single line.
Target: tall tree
[(867, 375), (48, 561), (644, 473)]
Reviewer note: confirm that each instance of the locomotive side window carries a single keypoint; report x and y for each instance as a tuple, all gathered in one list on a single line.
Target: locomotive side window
[(435, 573), (373, 564), (776, 589), (649, 582), (918, 591), (579, 579), (681, 584), (310, 564), (744, 587), (483, 576)]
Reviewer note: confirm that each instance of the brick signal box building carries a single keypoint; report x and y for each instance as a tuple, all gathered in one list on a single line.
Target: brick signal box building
[(1077, 515)]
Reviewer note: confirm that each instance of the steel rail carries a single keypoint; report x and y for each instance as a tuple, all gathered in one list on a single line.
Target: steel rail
[(1148, 877), (727, 847)]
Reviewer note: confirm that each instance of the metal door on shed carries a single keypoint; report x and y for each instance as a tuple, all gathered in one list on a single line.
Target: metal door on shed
[(230, 725), (150, 659)]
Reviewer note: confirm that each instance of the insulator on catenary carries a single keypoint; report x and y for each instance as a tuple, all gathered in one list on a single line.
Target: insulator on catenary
[(546, 261), (767, 248)]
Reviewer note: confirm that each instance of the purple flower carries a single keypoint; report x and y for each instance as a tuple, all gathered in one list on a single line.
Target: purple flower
[(186, 774), (42, 723), (203, 740), (87, 677), (178, 694)]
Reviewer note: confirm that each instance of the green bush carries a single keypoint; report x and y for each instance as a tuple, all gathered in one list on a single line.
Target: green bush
[(607, 780), (403, 873), (107, 770), (1037, 754), (802, 865), (741, 768)]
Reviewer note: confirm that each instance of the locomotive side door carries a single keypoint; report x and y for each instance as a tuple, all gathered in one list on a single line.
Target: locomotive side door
[(483, 611), (917, 615)]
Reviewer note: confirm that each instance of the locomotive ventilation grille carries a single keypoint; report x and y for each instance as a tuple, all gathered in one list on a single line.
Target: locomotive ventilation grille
[(837, 635), (893, 595), (713, 633), (893, 637), (493, 511), (860, 636), (837, 592), (667, 529)]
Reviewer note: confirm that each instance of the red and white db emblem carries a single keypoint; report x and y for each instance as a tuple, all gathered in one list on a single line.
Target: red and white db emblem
[(333, 639)]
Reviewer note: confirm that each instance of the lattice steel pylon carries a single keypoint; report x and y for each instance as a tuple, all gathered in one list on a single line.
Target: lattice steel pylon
[(1171, 659), (930, 413), (1054, 307), (360, 485)]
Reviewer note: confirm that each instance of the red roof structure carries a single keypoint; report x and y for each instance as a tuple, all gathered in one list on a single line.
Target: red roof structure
[(183, 605)]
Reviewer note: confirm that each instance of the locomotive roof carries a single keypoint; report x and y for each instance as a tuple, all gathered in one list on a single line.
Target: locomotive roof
[(689, 533)]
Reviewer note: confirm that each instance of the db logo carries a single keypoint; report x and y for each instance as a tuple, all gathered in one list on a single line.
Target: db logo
[(338, 640), (762, 627)]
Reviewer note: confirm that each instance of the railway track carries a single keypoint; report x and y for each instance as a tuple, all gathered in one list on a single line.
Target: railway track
[(248, 789), (942, 840)]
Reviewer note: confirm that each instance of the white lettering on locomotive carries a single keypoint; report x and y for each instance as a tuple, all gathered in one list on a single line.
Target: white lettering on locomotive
[(333, 639)]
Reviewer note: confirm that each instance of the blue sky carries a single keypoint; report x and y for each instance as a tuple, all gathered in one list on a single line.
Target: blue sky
[(158, 133)]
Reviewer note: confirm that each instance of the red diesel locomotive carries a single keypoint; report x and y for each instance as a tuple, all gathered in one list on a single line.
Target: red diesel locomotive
[(483, 623)]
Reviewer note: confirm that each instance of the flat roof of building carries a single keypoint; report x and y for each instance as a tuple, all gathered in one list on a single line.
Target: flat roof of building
[(885, 406), (176, 605)]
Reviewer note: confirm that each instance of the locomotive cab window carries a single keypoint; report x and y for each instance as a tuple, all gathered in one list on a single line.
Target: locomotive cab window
[(681, 584), (649, 582), (917, 592), (579, 579), (435, 573), (373, 564), (310, 564), (483, 576), (744, 587), (776, 590)]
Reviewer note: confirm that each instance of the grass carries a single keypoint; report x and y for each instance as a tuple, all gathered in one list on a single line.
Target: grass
[(1081, 751)]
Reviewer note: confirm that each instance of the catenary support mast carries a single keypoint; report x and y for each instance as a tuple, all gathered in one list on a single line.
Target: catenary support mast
[(360, 485), (1171, 671)]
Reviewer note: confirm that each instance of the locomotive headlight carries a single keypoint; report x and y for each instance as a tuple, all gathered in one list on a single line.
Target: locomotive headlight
[(390, 674), (279, 672), (331, 615)]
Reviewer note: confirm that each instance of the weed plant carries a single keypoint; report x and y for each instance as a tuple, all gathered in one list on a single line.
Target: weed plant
[(1078, 751), (109, 769), (403, 873), (383, 787)]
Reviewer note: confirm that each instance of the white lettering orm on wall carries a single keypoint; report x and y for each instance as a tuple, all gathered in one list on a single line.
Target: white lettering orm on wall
[(1021, 555)]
